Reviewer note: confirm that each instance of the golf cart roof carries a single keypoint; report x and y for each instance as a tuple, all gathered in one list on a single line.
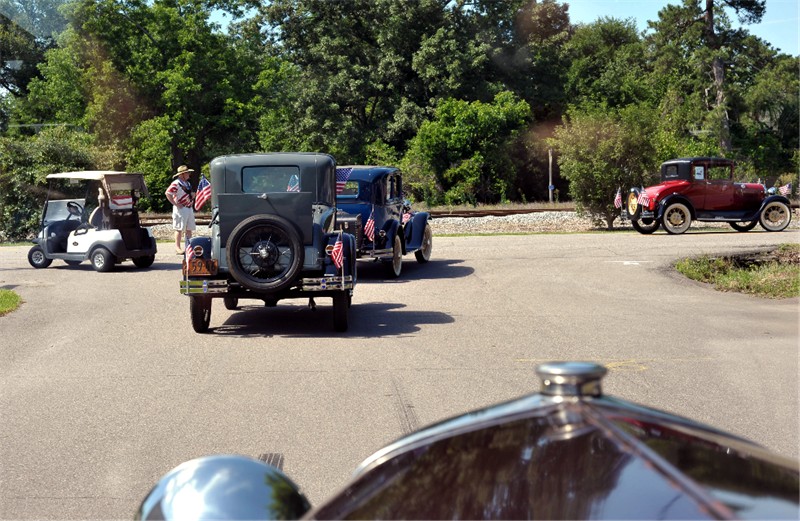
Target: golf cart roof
[(89, 175), (112, 181)]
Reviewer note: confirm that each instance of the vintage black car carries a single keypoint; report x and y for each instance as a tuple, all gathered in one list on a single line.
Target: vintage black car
[(372, 207), (704, 189), (273, 237), (568, 452)]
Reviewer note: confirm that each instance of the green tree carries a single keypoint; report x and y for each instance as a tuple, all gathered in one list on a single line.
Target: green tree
[(461, 155), (600, 151)]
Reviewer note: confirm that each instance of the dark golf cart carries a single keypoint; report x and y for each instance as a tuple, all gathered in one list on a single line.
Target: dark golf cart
[(93, 215), (273, 237), (567, 452)]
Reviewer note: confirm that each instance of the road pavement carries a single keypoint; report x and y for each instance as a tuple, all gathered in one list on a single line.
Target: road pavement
[(105, 387)]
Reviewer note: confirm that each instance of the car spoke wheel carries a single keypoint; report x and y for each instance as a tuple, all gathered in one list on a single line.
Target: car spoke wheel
[(144, 262), (743, 226), (37, 258), (775, 216), (645, 226), (231, 303), (200, 310), (264, 253), (340, 304), (423, 254), (103, 260), (677, 218), (395, 266)]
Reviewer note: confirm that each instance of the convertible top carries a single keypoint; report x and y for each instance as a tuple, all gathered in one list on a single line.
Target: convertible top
[(113, 181)]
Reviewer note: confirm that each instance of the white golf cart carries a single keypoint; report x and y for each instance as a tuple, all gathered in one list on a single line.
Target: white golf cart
[(93, 215)]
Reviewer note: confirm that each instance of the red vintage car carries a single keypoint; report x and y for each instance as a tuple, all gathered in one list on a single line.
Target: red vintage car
[(703, 189)]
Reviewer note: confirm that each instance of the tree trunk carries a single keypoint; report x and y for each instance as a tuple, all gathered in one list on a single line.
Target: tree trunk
[(718, 71)]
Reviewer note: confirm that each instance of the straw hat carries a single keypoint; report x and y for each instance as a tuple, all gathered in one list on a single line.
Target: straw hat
[(183, 169)]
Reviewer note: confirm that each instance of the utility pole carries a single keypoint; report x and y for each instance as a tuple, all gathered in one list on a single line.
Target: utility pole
[(550, 186)]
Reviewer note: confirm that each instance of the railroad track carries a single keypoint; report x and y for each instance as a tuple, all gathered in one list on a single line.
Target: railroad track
[(205, 218)]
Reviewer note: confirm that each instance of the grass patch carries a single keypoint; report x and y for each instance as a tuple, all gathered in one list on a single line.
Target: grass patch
[(9, 301), (772, 274)]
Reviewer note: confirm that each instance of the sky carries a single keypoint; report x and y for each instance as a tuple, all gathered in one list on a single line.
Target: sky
[(779, 26)]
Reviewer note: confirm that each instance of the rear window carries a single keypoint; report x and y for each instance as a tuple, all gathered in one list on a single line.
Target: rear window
[(265, 179), (671, 172)]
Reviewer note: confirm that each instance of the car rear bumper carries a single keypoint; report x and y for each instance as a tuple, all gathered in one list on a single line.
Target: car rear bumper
[(221, 287)]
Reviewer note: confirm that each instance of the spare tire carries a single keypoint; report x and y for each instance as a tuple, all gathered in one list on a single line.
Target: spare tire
[(264, 253)]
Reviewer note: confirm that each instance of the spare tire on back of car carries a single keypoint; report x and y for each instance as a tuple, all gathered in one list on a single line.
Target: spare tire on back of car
[(264, 253)]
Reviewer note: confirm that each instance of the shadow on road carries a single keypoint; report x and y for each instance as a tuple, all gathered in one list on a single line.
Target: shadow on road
[(374, 272), (369, 320)]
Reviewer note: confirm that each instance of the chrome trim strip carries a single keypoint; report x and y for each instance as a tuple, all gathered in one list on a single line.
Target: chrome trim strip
[(202, 287)]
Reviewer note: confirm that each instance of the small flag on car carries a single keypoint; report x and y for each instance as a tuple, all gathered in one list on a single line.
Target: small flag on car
[(294, 184), (188, 252), (785, 189), (337, 253), (618, 198), (369, 227), (643, 199), (203, 193), (342, 175)]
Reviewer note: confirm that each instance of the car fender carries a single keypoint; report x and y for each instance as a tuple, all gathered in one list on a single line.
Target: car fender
[(348, 254), (771, 198), (204, 243), (415, 230), (674, 198), (392, 227)]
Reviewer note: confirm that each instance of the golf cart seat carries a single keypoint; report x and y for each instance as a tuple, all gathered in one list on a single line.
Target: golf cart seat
[(58, 232)]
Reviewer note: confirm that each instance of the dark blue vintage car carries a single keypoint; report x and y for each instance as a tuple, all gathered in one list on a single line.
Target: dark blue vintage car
[(371, 206)]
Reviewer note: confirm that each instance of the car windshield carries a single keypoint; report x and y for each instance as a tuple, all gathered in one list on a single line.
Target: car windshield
[(57, 210)]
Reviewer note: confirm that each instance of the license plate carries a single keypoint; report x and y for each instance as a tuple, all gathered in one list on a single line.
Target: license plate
[(200, 267)]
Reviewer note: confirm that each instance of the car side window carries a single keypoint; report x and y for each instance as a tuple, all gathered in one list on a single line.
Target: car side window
[(699, 172), (719, 173)]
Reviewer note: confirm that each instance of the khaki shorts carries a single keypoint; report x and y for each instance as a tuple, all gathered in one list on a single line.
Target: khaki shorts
[(183, 219)]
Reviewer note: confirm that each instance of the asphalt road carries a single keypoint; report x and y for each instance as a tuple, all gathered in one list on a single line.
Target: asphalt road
[(104, 386)]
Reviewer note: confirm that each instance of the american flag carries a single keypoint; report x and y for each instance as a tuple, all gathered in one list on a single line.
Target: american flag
[(337, 253), (342, 175), (121, 202), (189, 252), (785, 189), (369, 228), (643, 199), (618, 199), (294, 184), (203, 193)]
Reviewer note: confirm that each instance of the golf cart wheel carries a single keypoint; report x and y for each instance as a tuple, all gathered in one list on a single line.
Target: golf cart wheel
[(264, 253), (423, 254), (775, 216), (37, 258), (200, 309), (744, 226), (103, 260), (231, 303), (394, 266), (645, 226), (340, 305), (677, 218), (144, 262)]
